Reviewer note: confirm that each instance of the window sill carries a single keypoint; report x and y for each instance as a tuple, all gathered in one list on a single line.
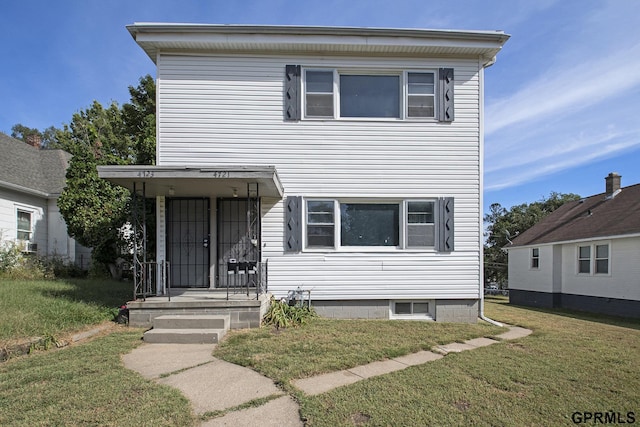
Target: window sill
[(369, 249)]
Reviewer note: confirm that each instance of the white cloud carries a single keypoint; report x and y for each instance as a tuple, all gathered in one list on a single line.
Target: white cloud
[(562, 91)]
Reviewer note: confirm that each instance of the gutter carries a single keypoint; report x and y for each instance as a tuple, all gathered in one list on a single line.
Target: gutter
[(26, 190), (482, 316)]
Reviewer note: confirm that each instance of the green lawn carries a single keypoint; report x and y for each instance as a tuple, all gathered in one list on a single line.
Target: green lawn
[(40, 308), (324, 345), (87, 385), (572, 362)]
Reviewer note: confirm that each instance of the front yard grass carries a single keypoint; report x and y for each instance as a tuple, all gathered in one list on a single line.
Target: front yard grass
[(87, 385), (49, 308), (571, 363), (324, 345)]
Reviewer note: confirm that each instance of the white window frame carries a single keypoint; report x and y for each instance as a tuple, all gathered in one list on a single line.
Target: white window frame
[(337, 224), (535, 257), (31, 213), (412, 316), (405, 243), (593, 258), (403, 78)]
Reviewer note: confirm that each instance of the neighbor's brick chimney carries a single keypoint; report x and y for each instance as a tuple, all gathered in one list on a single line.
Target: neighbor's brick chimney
[(33, 140), (612, 184)]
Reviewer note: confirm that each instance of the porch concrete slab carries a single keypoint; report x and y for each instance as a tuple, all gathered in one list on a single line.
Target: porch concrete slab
[(153, 360), (374, 369), (280, 412), (220, 385), (418, 358), (480, 342), (325, 382), (455, 347), (514, 332)]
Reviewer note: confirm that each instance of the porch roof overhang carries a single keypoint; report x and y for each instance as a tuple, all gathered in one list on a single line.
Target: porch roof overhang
[(200, 181)]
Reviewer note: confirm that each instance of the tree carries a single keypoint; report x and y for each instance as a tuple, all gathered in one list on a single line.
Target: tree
[(94, 209), (502, 225), (48, 137)]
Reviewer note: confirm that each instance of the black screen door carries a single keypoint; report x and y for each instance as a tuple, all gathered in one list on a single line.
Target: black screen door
[(238, 238), (188, 236)]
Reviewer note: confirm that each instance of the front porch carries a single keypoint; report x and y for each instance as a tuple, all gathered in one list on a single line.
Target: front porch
[(242, 310)]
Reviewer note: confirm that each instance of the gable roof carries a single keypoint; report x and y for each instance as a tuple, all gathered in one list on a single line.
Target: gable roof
[(595, 216), (29, 169)]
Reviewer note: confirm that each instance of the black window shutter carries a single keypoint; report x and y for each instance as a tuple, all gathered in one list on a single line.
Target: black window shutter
[(292, 89), (293, 224), (445, 110), (445, 225)]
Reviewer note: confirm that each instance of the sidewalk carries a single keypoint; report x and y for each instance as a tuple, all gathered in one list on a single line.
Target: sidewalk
[(215, 385)]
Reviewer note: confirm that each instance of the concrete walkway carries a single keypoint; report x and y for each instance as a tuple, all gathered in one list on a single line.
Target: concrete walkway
[(214, 385)]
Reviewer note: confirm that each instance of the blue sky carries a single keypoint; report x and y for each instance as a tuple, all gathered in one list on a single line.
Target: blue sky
[(562, 102)]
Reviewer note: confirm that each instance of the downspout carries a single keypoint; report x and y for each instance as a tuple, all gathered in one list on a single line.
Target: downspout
[(481, 225)]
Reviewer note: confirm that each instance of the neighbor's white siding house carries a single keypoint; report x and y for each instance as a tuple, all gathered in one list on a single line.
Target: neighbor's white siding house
[(584, 255)]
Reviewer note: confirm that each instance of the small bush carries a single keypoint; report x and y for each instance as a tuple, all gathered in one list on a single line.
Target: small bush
[(282, 315)]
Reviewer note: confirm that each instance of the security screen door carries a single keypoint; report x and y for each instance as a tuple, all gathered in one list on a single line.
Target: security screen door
[(238, 239), (188, 242)]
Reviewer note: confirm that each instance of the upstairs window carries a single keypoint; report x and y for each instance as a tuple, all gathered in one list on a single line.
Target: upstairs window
[(421, 95), (369, 96), (331, 94), (24, 225), (319, 94), (535, 258)]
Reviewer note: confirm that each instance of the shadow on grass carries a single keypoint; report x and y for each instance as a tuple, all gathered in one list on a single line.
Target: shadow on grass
[(101, 292), (574, 314)]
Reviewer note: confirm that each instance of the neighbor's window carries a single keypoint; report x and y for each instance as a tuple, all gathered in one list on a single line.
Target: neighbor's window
[(584, 259), (420, 95), (319, 94), (369, 224), (420, 224), (369, 96), (602, 259), (535, 258), (24, 225), (320, 223)]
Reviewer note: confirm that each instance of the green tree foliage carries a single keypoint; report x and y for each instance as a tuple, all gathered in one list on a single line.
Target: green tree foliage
[(93, 208), (503, 225), (48, 137)]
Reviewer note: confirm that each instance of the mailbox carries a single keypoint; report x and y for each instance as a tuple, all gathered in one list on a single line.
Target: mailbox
[(252, 267), (232, 266), (242, 267)]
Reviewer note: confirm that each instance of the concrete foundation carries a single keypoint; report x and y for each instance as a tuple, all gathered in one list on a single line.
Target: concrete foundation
[(458, 311)]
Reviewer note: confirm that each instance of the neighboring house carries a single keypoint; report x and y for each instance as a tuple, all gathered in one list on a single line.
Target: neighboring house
[(347, 159), (584, 256), (31, 180)]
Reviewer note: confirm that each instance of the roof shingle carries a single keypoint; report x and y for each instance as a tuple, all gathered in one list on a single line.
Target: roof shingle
[(591, 217), (29, 167)]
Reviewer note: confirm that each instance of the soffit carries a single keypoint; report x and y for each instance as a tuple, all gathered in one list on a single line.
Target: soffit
[(154, 38)]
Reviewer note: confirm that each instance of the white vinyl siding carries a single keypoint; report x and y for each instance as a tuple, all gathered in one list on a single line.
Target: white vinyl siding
[(228, 110), (559, 271)]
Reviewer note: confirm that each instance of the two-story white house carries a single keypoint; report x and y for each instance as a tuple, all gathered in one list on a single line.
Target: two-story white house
[(348, 160)]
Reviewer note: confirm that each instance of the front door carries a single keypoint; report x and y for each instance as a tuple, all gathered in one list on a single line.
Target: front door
[(238, 241), (188, 235)]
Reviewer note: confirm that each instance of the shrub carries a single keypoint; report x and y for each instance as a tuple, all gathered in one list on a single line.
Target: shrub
[(283, 315)]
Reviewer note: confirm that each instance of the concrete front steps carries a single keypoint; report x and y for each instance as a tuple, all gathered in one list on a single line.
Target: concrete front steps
[(187, 329)]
